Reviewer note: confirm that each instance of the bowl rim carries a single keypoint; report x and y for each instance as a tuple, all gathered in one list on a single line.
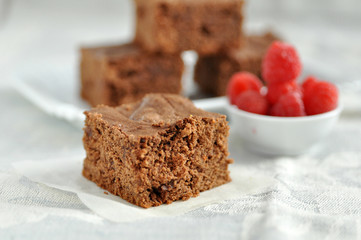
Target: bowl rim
[(233, 109)]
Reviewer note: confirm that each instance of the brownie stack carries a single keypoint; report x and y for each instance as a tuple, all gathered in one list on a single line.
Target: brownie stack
[(158, 148), (152, 63)]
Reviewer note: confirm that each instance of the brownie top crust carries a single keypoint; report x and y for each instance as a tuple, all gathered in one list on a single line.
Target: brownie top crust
[(113, 51), (255, 45), (151, 115)]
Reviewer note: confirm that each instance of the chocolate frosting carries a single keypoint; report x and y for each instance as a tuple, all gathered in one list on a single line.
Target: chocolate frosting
[(153, 114)]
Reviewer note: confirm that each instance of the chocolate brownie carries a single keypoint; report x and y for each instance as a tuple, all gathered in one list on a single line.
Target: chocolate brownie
[(157, 150), (113, 75), (212, 72), (206, 26)]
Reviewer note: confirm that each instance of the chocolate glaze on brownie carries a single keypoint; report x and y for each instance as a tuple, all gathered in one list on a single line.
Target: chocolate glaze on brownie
[(150, 116), (212, 72), (205, 26), (113, 75), (157, 150)]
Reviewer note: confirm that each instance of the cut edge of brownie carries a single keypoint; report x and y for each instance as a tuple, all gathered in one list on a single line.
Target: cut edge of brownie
[(177, 161)]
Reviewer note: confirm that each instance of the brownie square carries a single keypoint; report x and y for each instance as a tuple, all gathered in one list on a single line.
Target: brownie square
[(113, 75), (212, 72), (157, 150), (206, 26)]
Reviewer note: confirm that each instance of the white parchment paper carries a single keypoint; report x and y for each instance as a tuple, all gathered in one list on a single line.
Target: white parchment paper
[(65, 174), (305, 187)]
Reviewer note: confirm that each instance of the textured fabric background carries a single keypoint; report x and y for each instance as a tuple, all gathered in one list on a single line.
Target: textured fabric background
[(313, 199)]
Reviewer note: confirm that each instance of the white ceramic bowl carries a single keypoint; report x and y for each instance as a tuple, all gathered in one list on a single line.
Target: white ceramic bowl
[(281, 135)]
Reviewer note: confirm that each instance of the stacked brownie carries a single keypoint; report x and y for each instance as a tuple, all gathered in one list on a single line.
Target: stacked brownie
[(152, 63)]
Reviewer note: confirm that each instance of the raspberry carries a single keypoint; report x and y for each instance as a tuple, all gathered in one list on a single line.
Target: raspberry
[(241, 82), (308, 82), (281, 63), (320, 97), (276, 90), (289, 105), (252, 101)]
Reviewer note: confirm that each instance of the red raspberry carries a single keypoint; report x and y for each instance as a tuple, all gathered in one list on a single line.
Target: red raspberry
[(281, 63), (277, 90), (289, 105), (308, 82), (252, 101), (241, 82), (320, 97)]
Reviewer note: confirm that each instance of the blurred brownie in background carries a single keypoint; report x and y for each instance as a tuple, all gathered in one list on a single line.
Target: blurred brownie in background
[(113, 75), (212, 72), (205, 26)]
